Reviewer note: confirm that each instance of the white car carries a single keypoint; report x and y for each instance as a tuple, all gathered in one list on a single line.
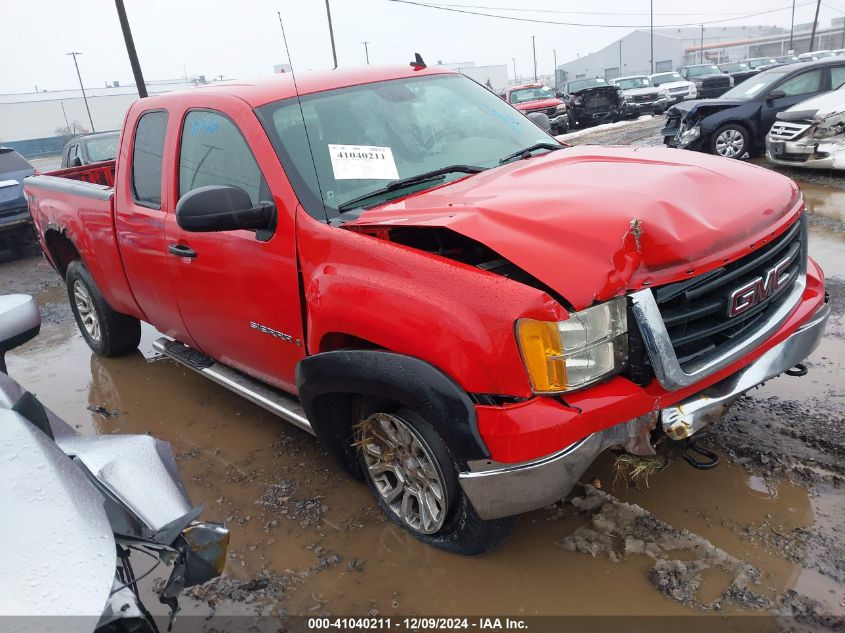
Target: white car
[(640, 96), (810, 133), (677, 87)]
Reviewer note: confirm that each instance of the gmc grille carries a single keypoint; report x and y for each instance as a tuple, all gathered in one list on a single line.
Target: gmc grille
[(695, 311), (716, 82)]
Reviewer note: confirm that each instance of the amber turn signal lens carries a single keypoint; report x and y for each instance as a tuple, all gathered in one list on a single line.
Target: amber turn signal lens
[(542, 353)]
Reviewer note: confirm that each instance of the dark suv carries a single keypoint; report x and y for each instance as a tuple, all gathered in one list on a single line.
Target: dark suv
[(708, 79), (15, 222)]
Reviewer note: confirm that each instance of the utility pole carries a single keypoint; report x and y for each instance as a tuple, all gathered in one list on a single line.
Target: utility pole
[(554, 52), (367, 51), (815, 22), (792, 27), (130, 49), (81, 87), (651, 11), (534, 49), (620, 58), (701, 50), (513, 59), (331, 33)]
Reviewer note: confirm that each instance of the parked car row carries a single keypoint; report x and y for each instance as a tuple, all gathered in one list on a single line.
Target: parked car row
[(736, 123)]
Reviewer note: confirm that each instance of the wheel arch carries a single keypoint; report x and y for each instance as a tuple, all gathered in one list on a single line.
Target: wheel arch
[(330, 382), (60, 249)]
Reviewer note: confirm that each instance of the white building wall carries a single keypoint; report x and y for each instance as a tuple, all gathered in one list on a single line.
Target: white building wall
[(635, 56)]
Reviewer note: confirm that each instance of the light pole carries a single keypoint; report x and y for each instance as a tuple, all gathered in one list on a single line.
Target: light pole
[(534, 49), (620, 58), (792, 27), (701, 50), (130, 50), (651, 11), (815, 22), (513, 59), (367, 51), (331, 32), (81, 87), (554, 52)]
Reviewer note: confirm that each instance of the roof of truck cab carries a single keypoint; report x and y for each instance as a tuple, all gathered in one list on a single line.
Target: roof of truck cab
[(268, 89)]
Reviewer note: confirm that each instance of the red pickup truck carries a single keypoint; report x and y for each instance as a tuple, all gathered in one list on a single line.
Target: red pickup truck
[(539, 99), (464, 311)]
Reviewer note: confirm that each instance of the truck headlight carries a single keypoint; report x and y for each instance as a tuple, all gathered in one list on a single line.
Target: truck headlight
[(664, 94), (589, 346), (561, 109)]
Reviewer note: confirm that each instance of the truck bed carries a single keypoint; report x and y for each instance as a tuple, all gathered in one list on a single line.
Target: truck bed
[(95, 173), (78, 204)]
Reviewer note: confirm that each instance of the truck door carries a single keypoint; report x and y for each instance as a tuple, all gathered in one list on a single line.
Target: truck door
[(238, 292), (139, 222)]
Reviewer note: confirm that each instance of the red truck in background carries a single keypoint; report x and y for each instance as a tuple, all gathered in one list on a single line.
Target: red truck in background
[(464, 311), (539, 99)]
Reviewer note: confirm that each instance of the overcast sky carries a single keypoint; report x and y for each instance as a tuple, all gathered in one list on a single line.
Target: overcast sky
[(242, 38)]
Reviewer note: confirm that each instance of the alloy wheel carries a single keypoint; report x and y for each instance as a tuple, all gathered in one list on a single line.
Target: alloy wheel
[(85, 308), (404, 472)]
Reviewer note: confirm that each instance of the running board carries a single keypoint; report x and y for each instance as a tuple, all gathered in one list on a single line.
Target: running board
[(265, 396)]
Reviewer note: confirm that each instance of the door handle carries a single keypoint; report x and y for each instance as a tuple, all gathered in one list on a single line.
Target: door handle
[(182, 250)]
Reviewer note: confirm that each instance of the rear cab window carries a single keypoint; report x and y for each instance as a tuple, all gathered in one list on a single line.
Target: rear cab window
[(147, 153)]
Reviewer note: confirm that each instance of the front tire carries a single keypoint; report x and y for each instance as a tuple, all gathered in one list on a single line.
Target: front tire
[(108, 333), (730, 141), (414, 480)]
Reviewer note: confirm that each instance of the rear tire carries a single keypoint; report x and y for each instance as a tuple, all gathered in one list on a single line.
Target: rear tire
[(108, 333), (414, 480)]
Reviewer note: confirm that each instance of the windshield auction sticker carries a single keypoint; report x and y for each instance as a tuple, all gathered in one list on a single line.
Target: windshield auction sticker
[(362, 162)]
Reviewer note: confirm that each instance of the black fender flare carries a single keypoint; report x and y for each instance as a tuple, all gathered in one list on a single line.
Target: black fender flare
[(406, 380)]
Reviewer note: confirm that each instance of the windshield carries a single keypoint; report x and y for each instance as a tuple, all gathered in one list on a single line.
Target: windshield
[(787, 59), (697, 71), (665, 78), (102, 148), (521, 95), (581, 84), (754, 86), (732, 68), (633, 82), (363, 137)]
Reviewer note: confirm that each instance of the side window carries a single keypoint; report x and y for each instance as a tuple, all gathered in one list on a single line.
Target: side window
[(837, 77), (146, 158), (805, 83), (213, 152)]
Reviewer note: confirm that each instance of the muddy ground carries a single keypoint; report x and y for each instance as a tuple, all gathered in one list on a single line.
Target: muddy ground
[(760, 534)]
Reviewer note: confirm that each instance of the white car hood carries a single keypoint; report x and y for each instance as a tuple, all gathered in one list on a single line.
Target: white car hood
[(631, 92), (824, 105), (670, 85)]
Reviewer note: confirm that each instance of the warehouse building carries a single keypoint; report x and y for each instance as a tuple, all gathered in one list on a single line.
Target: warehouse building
[(675, 47)]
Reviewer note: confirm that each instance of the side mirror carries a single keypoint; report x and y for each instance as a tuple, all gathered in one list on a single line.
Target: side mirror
[(775, 94), (20, 321), (75, 162), (223, 208), (541, 120), (559, 95)]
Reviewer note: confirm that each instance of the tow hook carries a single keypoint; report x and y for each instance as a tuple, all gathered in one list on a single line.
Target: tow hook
[(799, 370), (692, 447)]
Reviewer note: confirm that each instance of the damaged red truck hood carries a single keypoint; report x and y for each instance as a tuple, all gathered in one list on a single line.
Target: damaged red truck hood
[(591, 222)]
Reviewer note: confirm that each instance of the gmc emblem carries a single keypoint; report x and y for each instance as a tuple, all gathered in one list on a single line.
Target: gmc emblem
[(750, 294)]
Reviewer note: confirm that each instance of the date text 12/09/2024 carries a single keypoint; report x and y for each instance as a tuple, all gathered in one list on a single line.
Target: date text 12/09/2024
[(415, 624)]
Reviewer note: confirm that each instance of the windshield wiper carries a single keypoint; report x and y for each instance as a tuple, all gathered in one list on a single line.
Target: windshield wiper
[(526, 152), (402, 183)]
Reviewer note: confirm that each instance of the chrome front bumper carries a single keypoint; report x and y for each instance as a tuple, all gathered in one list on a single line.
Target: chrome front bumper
[(499, 490), (811, 153)]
